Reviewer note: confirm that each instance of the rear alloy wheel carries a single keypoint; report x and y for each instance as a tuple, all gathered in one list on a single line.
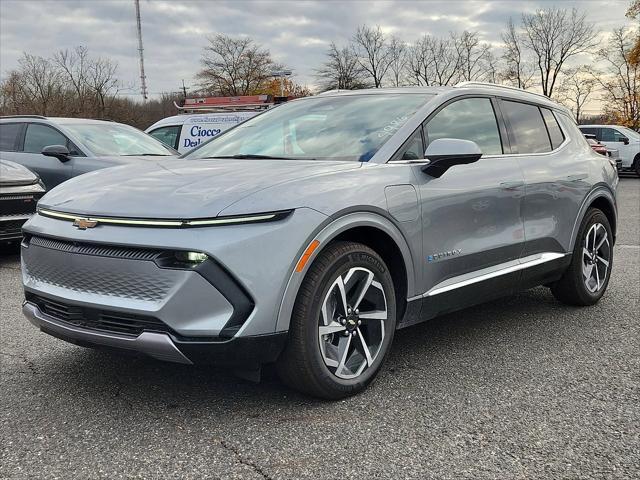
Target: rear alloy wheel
[(587, 277), (343, 323)]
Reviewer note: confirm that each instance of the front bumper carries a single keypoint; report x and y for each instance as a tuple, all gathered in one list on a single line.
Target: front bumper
[(246, 352)]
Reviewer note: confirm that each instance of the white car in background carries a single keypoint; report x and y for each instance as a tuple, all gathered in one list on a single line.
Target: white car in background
[(623, 139), (185, 132)]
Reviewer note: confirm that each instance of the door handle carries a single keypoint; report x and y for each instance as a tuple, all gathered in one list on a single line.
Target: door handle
[(511, 185), (577, 177)]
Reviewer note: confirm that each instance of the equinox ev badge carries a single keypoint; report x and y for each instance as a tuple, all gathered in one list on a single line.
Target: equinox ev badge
[(438, 256), (84, 223)]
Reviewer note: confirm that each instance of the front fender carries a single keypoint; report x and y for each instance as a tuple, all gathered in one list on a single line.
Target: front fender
[(328, 232)]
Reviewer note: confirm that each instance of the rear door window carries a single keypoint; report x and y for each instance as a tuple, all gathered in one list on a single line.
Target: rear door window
[(591, 131), (167, 135), (527, 127), (555, 132), (39, 136), (9, 133), (468, 119)]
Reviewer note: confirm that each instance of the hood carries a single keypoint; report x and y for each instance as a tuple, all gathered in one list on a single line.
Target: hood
[(178, 189), (13, 174)]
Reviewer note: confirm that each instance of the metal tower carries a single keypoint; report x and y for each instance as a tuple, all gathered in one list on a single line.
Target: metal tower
[(143, 78)]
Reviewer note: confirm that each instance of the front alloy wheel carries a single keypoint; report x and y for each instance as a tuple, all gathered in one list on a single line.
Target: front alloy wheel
[(352, 323), (342, 325)]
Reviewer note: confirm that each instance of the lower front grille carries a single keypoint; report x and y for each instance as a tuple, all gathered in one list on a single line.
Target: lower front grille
[(11, 229), (97, 319)]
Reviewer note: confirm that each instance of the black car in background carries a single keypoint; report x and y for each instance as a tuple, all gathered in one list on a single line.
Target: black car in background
[(20, 190)]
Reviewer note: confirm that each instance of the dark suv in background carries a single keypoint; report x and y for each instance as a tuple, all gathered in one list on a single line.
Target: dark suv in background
[(60, 148)]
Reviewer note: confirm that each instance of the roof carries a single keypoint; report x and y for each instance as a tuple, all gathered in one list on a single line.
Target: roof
[(461, 88)]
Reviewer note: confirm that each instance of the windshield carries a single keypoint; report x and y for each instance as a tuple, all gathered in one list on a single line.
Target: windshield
[(630, 133), (106, 139), (318, 128)]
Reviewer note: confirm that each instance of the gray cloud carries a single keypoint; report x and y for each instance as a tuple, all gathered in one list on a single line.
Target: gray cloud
[(296, 32)]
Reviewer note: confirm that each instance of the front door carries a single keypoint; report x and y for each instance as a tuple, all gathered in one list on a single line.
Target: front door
[(473, 232)]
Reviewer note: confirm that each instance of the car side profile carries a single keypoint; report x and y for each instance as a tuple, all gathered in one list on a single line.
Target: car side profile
[(58, 149), (307, 235), (623, 139)]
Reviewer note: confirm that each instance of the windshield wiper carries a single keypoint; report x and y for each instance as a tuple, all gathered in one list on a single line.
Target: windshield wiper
[(147, 155), (252, 156)]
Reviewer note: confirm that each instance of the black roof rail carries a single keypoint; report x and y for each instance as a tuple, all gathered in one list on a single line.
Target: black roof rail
[(24, 116)]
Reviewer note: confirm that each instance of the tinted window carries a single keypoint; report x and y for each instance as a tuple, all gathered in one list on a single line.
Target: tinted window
[(8, 136), (552, 126), (528, 127), (167, 135), (40, 136), (590, 131), (611, 135), (468, 119)]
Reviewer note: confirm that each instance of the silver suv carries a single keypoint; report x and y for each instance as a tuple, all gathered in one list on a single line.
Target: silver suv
[(308, 234)]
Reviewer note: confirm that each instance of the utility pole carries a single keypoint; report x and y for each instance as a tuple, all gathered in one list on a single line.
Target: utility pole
[(143, 78), (184, 90)]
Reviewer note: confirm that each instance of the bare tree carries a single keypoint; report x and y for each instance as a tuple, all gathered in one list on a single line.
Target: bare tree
[(41, 82), (554, 36), (75, 66), (518, 71), (372, 51), (473, 55), (435, 61), (621, 78), (341, 70), (102, 82), (398, 57), (235, 66), (575, 89)]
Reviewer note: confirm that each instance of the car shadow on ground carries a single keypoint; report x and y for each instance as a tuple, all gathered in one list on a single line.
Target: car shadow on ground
[(149, 384)]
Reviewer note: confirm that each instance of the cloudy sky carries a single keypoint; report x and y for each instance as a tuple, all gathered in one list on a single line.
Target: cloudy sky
[(296, 32)]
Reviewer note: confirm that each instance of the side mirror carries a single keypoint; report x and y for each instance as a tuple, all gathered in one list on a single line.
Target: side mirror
[(625, 141), (58, 151), (444, 153)]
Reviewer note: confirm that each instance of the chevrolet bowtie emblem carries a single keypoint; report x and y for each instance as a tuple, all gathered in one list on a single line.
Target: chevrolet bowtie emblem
[(84, 223)]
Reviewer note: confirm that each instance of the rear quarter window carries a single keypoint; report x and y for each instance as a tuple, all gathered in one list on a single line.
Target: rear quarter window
[(555, 132)]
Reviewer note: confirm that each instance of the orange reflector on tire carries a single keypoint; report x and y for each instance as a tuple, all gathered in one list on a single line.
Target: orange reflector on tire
[(305, 256)]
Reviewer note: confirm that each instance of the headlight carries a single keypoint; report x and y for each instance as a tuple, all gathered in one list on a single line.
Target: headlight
[(191, 257)]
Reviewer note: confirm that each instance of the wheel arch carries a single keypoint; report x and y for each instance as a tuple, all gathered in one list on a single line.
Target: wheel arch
[(603, 199), (368, 228)]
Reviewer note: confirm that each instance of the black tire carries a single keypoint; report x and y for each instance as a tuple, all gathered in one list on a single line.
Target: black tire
[(637, 164), (301, 365), (571, 288)]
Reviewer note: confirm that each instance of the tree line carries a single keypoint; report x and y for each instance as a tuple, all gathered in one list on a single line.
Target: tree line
[(540, 52), (537, 53)]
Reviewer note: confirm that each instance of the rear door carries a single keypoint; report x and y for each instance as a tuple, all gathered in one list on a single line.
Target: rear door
[(556, 172), (471, 216)]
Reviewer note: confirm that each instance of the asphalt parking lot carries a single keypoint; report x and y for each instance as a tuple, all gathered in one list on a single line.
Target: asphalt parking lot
[(522, 387)]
